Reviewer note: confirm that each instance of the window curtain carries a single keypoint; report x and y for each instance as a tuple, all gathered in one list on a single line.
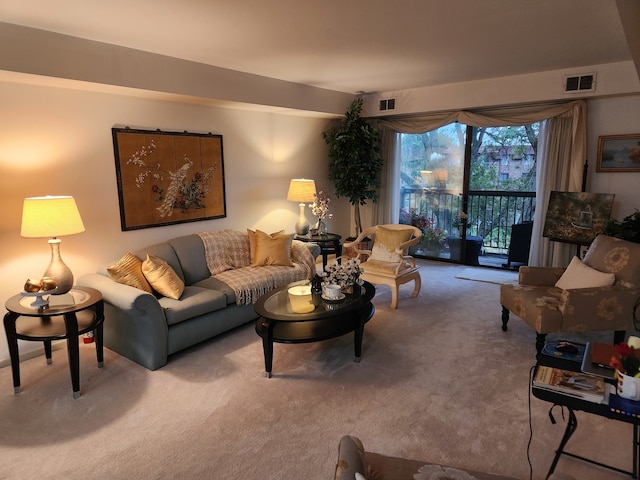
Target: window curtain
[(563, 150)]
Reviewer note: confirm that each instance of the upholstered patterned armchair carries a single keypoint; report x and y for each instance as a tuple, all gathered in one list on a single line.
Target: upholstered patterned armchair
[(598, 293), (388, 262)]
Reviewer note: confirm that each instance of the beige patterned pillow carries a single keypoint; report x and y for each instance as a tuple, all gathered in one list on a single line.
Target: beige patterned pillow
[(274, 249), (162, 277), (386, 242), (128, 270)]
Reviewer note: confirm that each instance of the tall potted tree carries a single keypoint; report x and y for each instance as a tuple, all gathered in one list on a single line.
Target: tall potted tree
[(355, 159)]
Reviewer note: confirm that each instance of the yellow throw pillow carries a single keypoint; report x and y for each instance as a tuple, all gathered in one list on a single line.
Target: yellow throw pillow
[(252, 242), (128, 270), (386, 242), (162, 277), (274, 249)]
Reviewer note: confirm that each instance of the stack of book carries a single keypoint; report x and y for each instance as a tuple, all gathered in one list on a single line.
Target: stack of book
[(574, 384)]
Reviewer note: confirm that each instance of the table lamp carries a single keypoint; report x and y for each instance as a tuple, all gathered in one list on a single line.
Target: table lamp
[(303, 191), (49, 216)]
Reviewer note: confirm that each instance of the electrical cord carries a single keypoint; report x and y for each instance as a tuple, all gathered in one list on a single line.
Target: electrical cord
[(530, 424)]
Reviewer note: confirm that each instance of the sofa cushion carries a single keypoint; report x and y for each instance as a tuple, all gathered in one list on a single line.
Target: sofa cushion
[(190, 252), (252, 243), (579, 275), (162, 278), (194, 301), (274, 249), (213, 283), (164, 251), (128, 270)]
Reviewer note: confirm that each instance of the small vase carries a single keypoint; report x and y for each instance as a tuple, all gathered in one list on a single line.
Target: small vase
[(321, 227)]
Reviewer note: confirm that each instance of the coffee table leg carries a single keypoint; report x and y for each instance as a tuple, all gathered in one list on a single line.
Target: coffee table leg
[(266, 327), (357, 340)]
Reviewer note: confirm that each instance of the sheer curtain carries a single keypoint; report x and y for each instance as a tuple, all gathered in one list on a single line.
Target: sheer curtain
[(559, 165)]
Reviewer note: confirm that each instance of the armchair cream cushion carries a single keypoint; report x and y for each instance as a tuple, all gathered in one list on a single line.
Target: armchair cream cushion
[(387, 241), (579, 275)]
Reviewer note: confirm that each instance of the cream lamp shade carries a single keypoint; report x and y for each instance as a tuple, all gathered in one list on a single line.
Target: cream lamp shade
[(51, 217), (302, 190)]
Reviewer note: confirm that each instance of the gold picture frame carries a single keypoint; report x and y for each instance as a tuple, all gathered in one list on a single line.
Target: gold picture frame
[(166, 178), (619, 153)]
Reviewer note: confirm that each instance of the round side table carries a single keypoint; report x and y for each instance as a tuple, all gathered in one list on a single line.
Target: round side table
[(329, 244), (45, 324)]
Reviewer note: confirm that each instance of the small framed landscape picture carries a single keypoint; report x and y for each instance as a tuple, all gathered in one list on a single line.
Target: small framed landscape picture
[(619, 153)]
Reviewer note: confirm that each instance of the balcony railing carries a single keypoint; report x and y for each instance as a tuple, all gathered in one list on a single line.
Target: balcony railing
[(490, 213)]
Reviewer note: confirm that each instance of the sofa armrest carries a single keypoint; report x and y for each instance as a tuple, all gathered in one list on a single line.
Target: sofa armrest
[(542, 276), (128, 299), (135, 324)]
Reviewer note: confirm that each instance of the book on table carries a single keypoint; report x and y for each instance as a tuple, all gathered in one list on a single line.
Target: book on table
[(624, 406), (574, 384)]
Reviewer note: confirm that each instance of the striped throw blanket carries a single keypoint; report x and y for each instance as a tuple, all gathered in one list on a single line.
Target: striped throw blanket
[(228, 259)]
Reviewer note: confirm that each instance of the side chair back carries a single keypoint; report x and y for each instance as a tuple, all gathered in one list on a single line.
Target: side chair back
[(388, 262)]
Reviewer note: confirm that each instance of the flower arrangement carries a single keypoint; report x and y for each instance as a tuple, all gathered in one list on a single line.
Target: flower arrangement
[(320, 207), (345, 274), (628, 363)]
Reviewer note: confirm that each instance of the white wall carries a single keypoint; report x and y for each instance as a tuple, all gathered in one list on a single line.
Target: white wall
[(58, 141), (614, 116)]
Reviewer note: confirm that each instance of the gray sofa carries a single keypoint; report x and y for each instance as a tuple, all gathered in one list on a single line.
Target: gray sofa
[(147, 328)]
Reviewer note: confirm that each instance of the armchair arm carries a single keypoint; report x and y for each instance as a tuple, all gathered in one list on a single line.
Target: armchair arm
[(404, 247), (542, 276), (598, 308)]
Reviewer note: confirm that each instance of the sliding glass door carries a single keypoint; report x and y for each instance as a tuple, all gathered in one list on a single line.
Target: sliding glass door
[(464, 187)]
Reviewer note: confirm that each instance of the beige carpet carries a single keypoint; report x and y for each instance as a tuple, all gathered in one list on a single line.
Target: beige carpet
[(438, 381)]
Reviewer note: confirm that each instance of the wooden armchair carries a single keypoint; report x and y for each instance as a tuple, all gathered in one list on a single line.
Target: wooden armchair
[(598, 293), (388, 262)]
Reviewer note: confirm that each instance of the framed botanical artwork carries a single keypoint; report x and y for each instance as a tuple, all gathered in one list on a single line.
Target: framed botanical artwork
[(577, 217), (168, 177), (619, 153)]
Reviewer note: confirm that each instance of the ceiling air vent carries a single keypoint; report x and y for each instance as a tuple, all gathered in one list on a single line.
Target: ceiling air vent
[(387, 104), (581, 83)]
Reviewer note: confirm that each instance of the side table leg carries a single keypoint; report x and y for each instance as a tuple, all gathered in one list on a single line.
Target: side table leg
[(47, 351), (99, 335), (73, 351), (12, 342), (572, 425)]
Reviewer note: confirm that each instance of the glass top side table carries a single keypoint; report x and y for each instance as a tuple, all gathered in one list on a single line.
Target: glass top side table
[(45, 324)]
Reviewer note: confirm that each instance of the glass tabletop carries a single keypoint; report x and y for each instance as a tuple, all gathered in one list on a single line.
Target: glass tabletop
[(280, 304)]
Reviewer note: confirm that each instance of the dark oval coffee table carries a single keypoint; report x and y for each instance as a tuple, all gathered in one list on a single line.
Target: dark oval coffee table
[(328, 319)]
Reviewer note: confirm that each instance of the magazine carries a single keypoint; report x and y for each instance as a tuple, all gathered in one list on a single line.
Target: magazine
[(575, 384)]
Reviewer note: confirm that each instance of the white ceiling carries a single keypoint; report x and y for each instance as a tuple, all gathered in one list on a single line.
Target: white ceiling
[(349, 45)]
